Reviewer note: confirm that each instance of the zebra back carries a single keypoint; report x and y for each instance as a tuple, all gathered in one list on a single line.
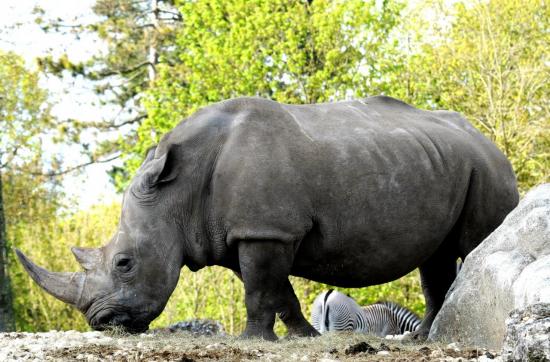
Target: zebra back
[(378, 319), (334, 311), (407, 320)]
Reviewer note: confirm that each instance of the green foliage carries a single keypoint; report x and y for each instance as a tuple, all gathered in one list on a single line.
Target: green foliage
[(136, 36), (491, 64), (24, 113), (289, 51), (24, 117)]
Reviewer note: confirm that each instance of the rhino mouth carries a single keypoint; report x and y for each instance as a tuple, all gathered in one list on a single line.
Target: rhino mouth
[(109, 320), (102, 319)]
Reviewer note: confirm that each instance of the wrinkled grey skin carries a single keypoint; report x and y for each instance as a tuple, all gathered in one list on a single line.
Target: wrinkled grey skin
[(350, 194)]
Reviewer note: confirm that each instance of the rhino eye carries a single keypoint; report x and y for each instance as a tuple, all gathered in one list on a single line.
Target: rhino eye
[(123, 264)]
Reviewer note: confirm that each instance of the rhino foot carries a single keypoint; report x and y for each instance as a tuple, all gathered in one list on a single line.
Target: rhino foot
[(250, 333)]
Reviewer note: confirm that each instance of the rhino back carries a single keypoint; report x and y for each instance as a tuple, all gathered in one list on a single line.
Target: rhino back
[(346, 181)]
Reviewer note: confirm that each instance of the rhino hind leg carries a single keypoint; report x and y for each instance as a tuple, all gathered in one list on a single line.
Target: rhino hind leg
[(293, 318), (265, 266), (436, 275), (484, 210)]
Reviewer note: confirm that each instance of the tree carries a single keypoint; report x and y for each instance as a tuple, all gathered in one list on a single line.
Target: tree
[(138, 36), (24, 115), (490, 62), (289, 51)]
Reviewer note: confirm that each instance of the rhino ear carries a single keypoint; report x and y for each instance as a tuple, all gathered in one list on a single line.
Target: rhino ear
[(88, 258), (160, 170), (156, 170), (150, 154)]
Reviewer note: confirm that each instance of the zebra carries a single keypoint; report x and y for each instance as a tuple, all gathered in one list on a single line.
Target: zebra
[(334, 311), (407, 320)]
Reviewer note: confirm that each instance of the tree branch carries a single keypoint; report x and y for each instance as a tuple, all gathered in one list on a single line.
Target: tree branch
[(175, 16), (146, 26), (109, 73), (10, 157), (76, 167), (109, 126)]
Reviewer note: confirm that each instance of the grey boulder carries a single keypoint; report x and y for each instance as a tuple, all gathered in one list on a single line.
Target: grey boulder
[(509, 270), (527, 335)]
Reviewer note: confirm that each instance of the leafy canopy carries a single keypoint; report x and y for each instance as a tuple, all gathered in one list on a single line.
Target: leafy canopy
[(491, 65), (289, 51), (24, 113)]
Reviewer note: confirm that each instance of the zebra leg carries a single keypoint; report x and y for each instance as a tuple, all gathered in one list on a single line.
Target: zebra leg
[(293, 318), (436, 274), (265, 266)]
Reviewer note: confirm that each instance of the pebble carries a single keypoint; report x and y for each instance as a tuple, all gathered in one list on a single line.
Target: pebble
[(383, 353), (437, 353), (397, 337), (484, 358), (215, 346), (453, 346)]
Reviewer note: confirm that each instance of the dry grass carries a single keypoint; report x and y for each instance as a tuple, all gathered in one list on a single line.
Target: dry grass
[(183, 346)]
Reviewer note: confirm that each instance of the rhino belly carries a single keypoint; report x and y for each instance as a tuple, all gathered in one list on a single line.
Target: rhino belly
[(378, 240), (360, 263)]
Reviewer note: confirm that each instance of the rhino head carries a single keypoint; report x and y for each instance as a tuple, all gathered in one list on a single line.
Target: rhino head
[(127, 282)]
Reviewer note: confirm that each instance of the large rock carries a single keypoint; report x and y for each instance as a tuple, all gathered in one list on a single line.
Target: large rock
[(527, 336), (509, 270)]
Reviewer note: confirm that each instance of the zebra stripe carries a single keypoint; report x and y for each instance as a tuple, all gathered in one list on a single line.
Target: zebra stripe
[(407, 320), (334, 311), (379, 320)]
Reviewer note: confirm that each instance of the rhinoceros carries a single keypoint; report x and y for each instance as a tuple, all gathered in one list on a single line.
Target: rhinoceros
[(351, 193)]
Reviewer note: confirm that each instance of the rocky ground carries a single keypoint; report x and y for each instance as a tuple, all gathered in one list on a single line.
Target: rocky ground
[(184, 346)]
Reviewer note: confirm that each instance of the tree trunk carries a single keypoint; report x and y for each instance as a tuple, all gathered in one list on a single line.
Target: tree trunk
[(153, 51), (6, 308)]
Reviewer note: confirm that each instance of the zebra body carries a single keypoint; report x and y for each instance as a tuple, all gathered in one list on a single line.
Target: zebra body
[(334, 311), (407, 320)]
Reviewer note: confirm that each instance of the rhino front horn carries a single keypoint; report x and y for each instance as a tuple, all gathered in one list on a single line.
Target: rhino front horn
[(64, 286)]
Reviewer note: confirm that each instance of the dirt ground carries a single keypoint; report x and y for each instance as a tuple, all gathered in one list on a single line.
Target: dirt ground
[(184, 347)]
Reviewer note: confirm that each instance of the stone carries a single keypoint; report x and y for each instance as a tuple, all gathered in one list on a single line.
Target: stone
[(528, 334), (509, 270), (198, 327), (360, 348), (203, 327)]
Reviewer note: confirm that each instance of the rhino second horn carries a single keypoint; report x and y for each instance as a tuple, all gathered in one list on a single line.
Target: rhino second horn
[(87, 257), (66, 287)]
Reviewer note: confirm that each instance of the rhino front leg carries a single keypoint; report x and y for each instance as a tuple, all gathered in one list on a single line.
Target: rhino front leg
[(265, 266)]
